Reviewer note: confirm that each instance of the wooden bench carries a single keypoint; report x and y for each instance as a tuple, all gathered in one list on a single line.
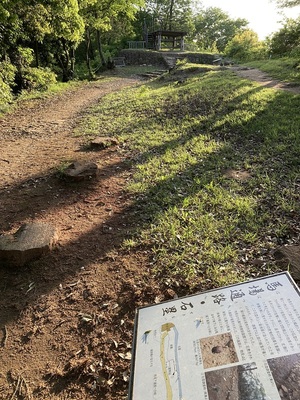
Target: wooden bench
[(119, 61)]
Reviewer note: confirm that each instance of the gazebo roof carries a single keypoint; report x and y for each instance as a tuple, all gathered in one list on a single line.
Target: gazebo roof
[(169, 33)]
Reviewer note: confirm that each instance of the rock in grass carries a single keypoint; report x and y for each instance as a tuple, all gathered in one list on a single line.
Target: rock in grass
[(103, 142), (78, 171), (289, 257), (29, 243)]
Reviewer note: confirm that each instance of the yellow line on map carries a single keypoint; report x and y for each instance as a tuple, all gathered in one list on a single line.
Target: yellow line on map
[(164, 333)]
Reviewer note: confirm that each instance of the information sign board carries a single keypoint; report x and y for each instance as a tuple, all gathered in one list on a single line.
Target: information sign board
[(240, 342)]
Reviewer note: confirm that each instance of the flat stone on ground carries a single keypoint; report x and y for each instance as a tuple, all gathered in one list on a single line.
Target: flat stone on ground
[(29, 243), (238, 175), (78, 171), (289, 257), (103, 142)]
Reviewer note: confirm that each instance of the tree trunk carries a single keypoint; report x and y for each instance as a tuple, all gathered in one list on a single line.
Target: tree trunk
[(36, 53), (72, 66), (102, 58), (88, 44), (63, 58), (171, 15), (66, 61)]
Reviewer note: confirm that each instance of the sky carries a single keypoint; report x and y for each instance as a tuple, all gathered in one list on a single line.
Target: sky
[(263, 16)]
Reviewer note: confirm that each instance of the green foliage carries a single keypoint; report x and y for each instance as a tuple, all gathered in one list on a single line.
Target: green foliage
[(24, 57), (169, 15), (287, 40), (39, 78), (287, 3), (66, 21), (7, 74), (27, 77), (99, 17), (42, 33), (195, 220), (10, 27), (284, 69), (214, 28), (245, 46), (36, 19)]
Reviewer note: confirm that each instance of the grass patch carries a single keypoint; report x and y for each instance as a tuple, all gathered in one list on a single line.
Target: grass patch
[(53, 89), (186, 141), (284, 69)]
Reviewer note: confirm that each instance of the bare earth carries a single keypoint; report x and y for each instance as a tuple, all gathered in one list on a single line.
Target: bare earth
[(263, 79), (66, 321)]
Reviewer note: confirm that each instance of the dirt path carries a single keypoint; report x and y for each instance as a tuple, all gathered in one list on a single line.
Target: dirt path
[(66, 320), (42, 130), (264, 79)]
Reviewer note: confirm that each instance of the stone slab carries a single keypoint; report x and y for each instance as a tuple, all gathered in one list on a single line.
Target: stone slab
[(29, 243), (78, 171), (102, 142), (289, 257)]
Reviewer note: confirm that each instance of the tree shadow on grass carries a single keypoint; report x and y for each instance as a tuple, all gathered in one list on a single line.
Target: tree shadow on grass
[(73, 256)]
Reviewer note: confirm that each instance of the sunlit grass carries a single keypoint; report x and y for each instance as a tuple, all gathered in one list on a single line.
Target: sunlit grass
[(285, 69), (196, 222)]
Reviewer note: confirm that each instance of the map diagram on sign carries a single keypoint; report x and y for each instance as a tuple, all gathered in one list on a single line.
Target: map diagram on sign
[(169, 360)]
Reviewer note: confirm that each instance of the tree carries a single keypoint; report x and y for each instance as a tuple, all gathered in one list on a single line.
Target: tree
[(36, 23), (214, 28), (99, 17), (10, 28), (287, 40), (245, 46), (67, 28), (53, 25), (287, 3), (169, 14)]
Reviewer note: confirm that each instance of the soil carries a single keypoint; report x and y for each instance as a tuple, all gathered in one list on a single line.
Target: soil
[(265, 80), (286, 374), (235, 383), (66, 321), (218, 350)]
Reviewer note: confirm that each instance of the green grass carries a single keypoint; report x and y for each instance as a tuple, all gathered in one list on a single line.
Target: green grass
[(284, 69), (197, 223), (53, 90)]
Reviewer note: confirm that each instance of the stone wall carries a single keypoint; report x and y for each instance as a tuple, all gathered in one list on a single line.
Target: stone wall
[(151, 57), (141, 57)]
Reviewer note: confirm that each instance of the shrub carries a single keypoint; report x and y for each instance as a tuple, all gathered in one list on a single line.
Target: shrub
[(7, 75), (286, 42), (5, 93), (245, 46), (38, 78)]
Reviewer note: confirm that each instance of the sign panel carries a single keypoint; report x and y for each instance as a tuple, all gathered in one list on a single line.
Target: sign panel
[(240, 342)]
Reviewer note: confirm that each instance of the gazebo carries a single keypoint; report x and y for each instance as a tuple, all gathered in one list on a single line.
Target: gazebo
[(156, 38)]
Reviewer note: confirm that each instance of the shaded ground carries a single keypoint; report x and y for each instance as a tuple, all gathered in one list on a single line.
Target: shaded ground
[(66, 321)]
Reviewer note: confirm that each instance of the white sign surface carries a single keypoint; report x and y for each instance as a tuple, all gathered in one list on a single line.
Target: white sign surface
[(240, 342)]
